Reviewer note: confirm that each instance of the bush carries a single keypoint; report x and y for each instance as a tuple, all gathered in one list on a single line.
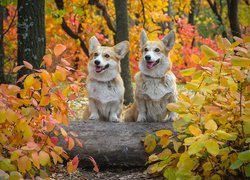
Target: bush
[(31, 120), (211, 138)]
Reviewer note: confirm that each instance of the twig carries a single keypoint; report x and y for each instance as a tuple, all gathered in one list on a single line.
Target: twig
[(11, 23), (68, 30), (105, 13), (143, 13)]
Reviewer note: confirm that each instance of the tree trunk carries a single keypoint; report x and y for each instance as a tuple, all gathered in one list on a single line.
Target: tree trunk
[(31, 33), (121, 35), (2, 79), (170, 14), (232, 6), (112, 144), (192, 13)]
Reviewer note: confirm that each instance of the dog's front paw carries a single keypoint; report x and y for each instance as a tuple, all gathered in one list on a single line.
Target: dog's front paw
[(94, 117), (172, 116), (114, 119), (141, 118)]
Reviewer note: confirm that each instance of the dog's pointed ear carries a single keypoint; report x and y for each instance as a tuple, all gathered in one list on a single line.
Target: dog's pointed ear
[(169, 40), (122, 48), (143, 38), (93, 43)]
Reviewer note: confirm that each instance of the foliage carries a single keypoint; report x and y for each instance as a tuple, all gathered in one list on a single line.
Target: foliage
[(32, 119), (211, 138)]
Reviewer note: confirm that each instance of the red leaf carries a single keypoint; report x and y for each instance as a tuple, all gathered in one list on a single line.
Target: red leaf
[(96, 169), (54, 139), (27, 65)]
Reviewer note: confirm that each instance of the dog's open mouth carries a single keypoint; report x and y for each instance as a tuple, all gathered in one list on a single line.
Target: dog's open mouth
[(151, 64), (99, 69)]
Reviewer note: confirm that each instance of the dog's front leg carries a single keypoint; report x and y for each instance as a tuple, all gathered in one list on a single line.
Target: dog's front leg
[(93, 110), (142, 110), (115, 109)]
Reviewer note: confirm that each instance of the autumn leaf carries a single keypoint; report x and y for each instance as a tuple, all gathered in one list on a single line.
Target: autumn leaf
[(149, 143), (28, 65), (194, 130), (24, 164), (44, 158), (210, 53), (59, 49), (17, 68), (211, 125), (212, 147)]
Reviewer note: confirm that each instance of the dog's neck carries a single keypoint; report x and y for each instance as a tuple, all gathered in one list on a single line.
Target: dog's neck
[(158, 71)]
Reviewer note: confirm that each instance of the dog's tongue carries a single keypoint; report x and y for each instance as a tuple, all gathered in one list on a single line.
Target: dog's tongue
[(150, 65), (98, 68)]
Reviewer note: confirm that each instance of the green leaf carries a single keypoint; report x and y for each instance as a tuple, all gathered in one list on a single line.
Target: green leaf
[(187, 72), (210, 53), (236, 164), (15, 175), (212, 147), (244, 156), (240, 61), (169, 173), (149, 143), (247, 170)]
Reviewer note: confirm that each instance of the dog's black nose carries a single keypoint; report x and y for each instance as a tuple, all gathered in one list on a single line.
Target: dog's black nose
[(148, 58), (97, 62)]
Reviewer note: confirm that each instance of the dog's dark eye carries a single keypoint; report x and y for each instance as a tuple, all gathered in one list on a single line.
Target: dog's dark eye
[(106, 56), (146, 49), (157, 50), (96, 54)]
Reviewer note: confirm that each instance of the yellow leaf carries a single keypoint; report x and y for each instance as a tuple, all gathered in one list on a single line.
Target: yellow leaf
[(240, 61), (149, 143), (29, 80), (185, 162), (211, 125), (64, 133), (24, 164), (212, 147), (195, 58), (187, 72), (161, 133), (59, 49), (44, 158), (2, 116), (164, 141), (194, 130), (210, 53), (195, 147), (11, 116)]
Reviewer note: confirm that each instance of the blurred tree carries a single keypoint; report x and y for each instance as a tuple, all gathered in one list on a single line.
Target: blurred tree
[(121, 35), (215, 8), (2, 79), (192, 12), (31, 33), (232, 9)]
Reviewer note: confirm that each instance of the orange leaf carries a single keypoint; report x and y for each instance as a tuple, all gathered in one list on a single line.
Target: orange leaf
[(71, 143), (22, 78), (47, 60), (17, 68), (78, 142), (35, 159), (44, 101), (24, 164), (27, 65), (59, 49)]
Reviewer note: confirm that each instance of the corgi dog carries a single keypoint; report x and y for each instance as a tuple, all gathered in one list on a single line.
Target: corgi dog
[(155, 82), (104, 83)]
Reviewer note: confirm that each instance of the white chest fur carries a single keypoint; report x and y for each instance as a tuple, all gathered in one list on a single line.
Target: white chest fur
[(105, 91), (156, 88)]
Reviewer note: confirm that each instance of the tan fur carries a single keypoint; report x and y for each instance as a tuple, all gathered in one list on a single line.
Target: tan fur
[(155, 86), (105, 88)]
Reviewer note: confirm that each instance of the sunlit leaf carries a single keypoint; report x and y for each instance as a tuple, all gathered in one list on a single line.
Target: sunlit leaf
[(59, 49), (212, 147)]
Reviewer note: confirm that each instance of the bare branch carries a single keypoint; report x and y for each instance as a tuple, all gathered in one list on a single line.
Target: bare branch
[(104, 12), (11, 23), (68, 30), (144, 15)]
